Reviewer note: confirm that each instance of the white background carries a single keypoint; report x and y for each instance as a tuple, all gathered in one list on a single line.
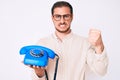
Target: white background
[(23, 22)]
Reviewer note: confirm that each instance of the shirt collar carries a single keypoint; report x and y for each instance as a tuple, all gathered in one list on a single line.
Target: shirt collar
[(68, 36)]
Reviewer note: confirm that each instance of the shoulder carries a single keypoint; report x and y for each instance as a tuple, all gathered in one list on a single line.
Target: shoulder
[(44, 40)]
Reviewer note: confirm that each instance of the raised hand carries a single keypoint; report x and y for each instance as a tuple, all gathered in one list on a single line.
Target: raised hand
[(95, 40)]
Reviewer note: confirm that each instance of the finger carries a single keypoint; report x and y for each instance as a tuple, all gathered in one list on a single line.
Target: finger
[(34, 66), (38, 66), (95, 30), (31, 66), (93, 38), (94, 34), (42, 67)]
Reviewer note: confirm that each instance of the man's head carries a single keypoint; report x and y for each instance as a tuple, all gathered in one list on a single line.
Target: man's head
[(62, 4), (62, 15)]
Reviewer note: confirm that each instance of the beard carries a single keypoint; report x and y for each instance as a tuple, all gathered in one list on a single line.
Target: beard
[(61, 30)]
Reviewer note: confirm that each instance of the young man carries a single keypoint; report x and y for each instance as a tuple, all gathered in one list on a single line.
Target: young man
[(75, 52)]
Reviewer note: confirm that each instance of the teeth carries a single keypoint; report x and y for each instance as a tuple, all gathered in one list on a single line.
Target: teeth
[(62, 25)]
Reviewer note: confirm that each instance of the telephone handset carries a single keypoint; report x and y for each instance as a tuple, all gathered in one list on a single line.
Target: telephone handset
[(37, 55)]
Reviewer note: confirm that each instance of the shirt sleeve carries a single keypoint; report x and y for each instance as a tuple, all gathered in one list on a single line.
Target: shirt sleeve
[(98, 63)]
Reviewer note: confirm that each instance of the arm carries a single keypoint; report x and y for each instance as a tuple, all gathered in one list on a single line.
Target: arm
[(97, 57)]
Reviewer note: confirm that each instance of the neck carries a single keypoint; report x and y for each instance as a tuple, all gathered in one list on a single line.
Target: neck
[(62, 35)]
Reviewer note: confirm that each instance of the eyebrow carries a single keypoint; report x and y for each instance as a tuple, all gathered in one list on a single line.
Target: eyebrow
[(60, 14)]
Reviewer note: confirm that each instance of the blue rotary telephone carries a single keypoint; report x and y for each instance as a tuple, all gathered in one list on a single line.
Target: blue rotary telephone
[(38, 56)]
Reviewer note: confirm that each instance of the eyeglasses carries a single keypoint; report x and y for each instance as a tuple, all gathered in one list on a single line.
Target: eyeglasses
[(58, 17)]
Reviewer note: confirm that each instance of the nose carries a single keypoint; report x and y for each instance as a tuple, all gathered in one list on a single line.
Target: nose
[(62, 20)]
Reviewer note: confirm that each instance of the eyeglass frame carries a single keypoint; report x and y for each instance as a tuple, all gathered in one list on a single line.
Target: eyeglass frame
[(66, 17)]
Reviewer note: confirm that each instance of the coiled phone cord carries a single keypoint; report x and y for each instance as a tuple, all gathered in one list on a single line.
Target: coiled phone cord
[(55, 73)]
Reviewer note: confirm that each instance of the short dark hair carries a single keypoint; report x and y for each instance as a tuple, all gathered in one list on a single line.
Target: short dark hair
[(62, 4)]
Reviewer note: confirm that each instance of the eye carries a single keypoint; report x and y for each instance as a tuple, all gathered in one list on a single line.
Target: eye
[(57, 16), (66, 16)]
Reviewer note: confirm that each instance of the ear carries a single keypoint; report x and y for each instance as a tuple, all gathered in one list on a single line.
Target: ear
[(52, 17), (71, 17)]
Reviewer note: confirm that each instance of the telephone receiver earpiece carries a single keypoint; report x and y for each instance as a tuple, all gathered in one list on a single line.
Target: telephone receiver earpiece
[(36, 55)]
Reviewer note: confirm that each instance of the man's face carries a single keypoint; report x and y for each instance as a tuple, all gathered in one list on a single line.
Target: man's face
[(62, 19)]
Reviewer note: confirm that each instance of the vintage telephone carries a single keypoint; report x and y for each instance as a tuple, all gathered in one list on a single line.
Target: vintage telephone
[(38, 56)]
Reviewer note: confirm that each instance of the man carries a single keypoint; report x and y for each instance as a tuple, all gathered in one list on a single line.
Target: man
[(75, 52)]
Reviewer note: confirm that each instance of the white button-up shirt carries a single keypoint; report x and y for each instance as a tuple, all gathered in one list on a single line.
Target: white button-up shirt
[(75, 54)]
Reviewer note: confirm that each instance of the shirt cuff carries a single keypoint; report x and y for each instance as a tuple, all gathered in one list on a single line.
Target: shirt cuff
[(102, 55)]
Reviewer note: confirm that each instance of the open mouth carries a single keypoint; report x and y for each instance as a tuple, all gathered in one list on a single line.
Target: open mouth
[(62, 25)]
